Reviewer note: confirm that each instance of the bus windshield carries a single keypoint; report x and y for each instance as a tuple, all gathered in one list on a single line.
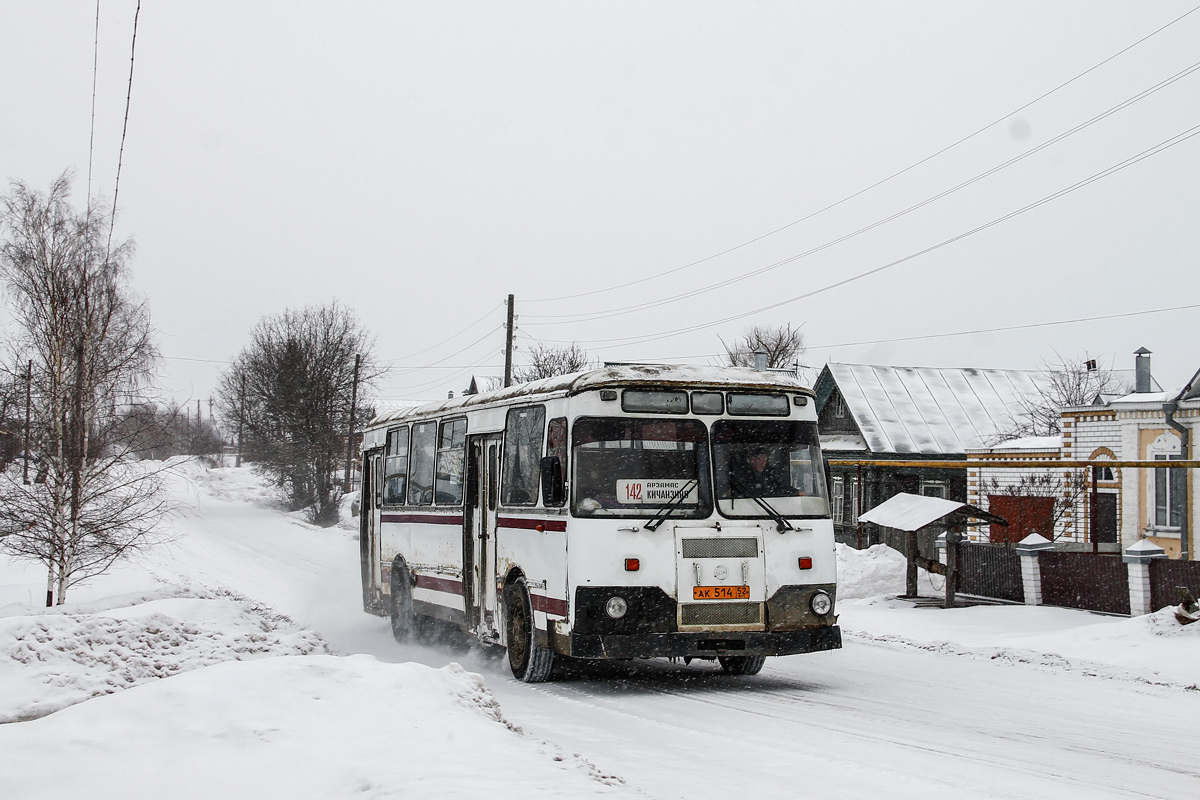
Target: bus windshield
[(626, 467), (773, 461)]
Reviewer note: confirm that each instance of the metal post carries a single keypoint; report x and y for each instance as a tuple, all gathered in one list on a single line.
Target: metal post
[(28, 407), (350, 426), (508, 344)]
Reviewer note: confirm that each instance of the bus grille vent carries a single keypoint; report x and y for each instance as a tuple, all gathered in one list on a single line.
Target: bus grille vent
[(721, 614), (720, 548)]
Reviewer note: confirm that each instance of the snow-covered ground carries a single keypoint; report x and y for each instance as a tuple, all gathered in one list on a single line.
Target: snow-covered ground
[(236, 661)]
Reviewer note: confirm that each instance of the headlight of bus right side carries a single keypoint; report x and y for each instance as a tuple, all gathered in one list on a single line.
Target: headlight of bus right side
[(821, 603)]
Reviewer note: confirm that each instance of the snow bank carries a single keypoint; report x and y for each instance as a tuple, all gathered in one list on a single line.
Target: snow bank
[(300, 727), (878, 570), (53, 658)]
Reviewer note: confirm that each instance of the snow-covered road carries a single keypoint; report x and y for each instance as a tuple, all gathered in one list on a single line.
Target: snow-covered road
[(884, 717)]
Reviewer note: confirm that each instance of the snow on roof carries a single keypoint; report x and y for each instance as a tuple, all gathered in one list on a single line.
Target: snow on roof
[(623, 375), (931, 410), (908, 512), (842, 441), (1031, 443)]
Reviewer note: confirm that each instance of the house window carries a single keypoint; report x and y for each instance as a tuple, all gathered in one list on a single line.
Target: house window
[(838, 492), (839, 406), (935, 489), (852, 501), (1168, 486)]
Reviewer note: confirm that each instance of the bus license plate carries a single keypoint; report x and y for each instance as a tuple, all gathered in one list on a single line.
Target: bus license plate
[(720, 592)]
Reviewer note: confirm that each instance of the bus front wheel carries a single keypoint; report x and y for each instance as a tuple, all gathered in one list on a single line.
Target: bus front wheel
[(742, 665), (530, 662)]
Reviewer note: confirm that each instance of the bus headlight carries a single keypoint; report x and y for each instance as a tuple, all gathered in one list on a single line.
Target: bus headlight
[(821, 603), (616, 607)]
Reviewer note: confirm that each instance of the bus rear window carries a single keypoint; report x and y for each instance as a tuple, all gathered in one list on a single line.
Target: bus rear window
[(633, 467), (758, 405)]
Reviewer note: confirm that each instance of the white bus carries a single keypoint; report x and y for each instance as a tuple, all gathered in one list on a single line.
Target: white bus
[(626, 512)]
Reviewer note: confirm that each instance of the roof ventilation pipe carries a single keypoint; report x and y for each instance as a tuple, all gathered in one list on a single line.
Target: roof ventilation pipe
[(1141, 366), (760, 358)]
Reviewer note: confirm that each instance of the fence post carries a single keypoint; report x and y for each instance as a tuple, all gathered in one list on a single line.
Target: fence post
[(1137, 560), (1031, 574)]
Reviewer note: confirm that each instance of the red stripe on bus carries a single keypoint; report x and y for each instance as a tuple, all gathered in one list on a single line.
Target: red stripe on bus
[(559, 525), (548, 604), (424, 519), (439, 584)]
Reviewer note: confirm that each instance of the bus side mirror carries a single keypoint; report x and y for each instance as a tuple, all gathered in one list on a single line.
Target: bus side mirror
[(553, 489)]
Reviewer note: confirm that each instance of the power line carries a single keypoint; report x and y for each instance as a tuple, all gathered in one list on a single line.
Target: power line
[(124, 129), (1006, 328), (878, 183), (1151, 151), (92, 128), (451, 338), (566, 319)]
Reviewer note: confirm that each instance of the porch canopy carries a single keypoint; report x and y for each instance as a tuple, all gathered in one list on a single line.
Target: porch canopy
[(910, 512)]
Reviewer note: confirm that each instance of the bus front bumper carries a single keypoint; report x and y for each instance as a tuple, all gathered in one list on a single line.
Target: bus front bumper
[(705, 644)]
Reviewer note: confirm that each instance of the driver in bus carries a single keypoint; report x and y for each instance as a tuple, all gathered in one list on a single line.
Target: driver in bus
[(754, 476)]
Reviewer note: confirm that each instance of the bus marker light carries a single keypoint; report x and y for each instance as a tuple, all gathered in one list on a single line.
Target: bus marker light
[(540, 528), (632, 565), (805, 562)]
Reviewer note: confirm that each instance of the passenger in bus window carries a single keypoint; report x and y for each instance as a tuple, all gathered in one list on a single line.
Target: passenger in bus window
[(753, 475)]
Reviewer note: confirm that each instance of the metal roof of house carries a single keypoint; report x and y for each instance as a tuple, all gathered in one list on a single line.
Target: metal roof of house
[(930, 410)]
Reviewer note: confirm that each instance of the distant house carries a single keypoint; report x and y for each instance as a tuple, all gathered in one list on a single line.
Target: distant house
[(484, 383), (1128, 503), (909, 414)]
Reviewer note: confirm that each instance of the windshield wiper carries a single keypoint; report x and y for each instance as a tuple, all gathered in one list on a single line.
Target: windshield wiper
[(780, 523), (676, 501)]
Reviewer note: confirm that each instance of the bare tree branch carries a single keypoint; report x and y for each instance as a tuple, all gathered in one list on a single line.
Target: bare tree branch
[(783, 344)]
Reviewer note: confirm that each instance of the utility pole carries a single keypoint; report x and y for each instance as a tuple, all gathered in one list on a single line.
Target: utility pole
[(28, 406), (508, 344), (241, 420), (197, 413), (350, 425)]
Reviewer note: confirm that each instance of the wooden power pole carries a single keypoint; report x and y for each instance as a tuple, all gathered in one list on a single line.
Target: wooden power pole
[(350, 427), (508, 344), (241, 421)]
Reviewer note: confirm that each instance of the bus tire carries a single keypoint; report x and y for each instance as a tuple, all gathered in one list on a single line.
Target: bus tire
[(404, 619), (529, 661), (742, 665)]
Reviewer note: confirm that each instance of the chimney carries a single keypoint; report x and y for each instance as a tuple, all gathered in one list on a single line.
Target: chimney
[(760, 358), (1141, 366)]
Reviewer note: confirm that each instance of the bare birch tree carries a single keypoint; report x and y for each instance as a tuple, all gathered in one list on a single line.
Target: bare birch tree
[(783, 344), (546, 361), (289, 392), (90, 342), (1067, 382)]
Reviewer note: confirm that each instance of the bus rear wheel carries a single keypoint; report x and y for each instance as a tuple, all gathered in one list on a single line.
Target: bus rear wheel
[(529, 661), (742, 665), (404, 619)]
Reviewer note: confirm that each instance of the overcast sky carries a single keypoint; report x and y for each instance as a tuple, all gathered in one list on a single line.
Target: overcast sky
[(418, 162)]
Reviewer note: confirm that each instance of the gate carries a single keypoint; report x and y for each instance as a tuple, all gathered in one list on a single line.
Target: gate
[(1084, 580), (1166, 575), (988, 570)]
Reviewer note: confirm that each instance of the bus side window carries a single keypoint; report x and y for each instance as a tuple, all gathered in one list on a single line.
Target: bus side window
[(523, 431), (396, 466), (450, 458), (556, 446), (421, 470)]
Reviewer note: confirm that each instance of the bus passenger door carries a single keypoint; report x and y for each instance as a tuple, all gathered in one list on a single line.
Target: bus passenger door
[(369, 530), (479, 556)]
